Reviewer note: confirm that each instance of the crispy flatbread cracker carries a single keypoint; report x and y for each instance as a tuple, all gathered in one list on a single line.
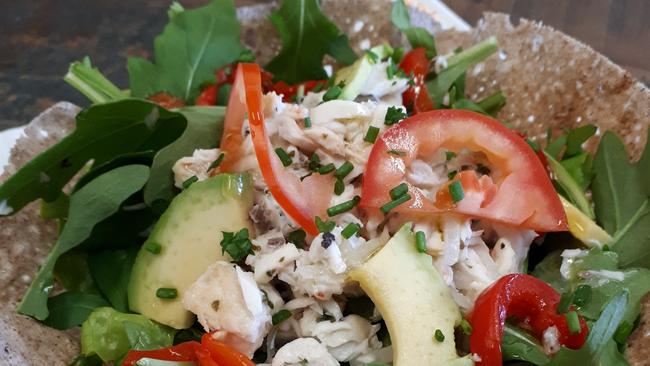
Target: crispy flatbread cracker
[(550, 79)]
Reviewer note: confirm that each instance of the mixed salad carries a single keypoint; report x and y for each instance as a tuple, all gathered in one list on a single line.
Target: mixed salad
[(227, 213)]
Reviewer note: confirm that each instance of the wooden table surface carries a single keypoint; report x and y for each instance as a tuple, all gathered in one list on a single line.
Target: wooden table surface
[(40, 38)]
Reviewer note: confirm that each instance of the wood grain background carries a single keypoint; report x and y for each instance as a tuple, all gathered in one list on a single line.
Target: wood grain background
[(39, 38)]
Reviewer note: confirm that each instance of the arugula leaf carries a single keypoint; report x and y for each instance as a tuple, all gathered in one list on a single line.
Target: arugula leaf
[(57, 209), (82, 360), (307, 35), (457, 66), (572, 189), (576, 137), (110, 334), (70, 309), (138, 157), (519, 345), (417, 36), (93, 203), (556, 147), (599, 348), (579, 167), (102, 132), (134, 220), (192, 46), (643, 167), (111, 270), (204, 129), (621, 200), (92, 83)]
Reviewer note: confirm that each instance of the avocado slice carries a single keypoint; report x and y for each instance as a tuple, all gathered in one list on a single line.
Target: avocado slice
[(414, 301), (188, 235), (356, 75)]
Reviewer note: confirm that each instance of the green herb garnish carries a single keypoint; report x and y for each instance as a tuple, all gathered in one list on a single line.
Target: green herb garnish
[(573, 322), (324, 226), (565, 302), (166, 293), (216, 163), (189, 181), (399, 191), (284, 157), (582, 295), (394, 115), (333, 93), (420, 242), (297, 237), (371, 134), (396, 152), (339, 187), (280, 316), (308, 120), (439, 336), (349, 230), (238, 245), (344, 170), (152, 247), (466, 327), (456, 191), (325, 169), (394, 203)]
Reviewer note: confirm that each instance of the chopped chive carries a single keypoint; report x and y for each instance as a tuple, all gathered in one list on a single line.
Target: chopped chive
[(397, 152), (466, 327), (344, 170), (565, 302), (317, 88), (582, 295), (452, 174), (307, 122), (166, 293), (399, 191), (371, 135), (606, 248), (391, 69), (297, 237), (343, 207), (339, 187), (623, 332), (450, 155), (394, 203), (573, 322), (350, 229), (280, 316), (314, 162), (189, 181), (439, 336), (456, 191), (326, 169), (217, 162), (333, 93), (152, 247), (284, 157), (372, 57), (324, 226), (394, 115), (420, 242)]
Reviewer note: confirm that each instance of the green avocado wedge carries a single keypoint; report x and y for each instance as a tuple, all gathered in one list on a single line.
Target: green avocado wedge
[(414, 301), (184, 242)]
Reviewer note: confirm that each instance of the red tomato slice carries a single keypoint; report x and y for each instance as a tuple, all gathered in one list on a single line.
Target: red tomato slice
[(181, 352), (521, 195), (416, 97), (167, 100), (223, 354), (301, 200)]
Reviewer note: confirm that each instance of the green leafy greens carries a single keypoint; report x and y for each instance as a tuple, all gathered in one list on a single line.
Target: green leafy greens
[(93, 203), (307, 35), (193, 45), (417, 36)]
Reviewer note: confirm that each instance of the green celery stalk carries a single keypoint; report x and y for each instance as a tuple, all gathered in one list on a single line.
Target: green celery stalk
[(90, 82)]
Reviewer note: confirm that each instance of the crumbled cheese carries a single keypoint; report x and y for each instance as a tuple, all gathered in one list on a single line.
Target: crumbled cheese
[(551, 340)]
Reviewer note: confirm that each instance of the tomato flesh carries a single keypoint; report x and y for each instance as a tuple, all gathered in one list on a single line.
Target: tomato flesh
[(416, 65), (521, 195)]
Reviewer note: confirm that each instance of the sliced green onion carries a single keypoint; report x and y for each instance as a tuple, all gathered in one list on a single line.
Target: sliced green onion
[(326, 169), (318, 88), (314, 162), (343, 207), (332, 93), (399, 191), (324, 226), (582, 295), (420, 242), (452, 174), (466, 327), (573, 322), (339, 187), (439, 336), (394, 203), (350, 229), (456, 191), (189, 181), (217, 162), (450, 155), (397, 152), (284, 157), (297, 237), (152, 247), (493, 103), (307, 122), (371, 135), (565, 302), (280, 316), (623, 332), (166, 293), (344, 170)]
